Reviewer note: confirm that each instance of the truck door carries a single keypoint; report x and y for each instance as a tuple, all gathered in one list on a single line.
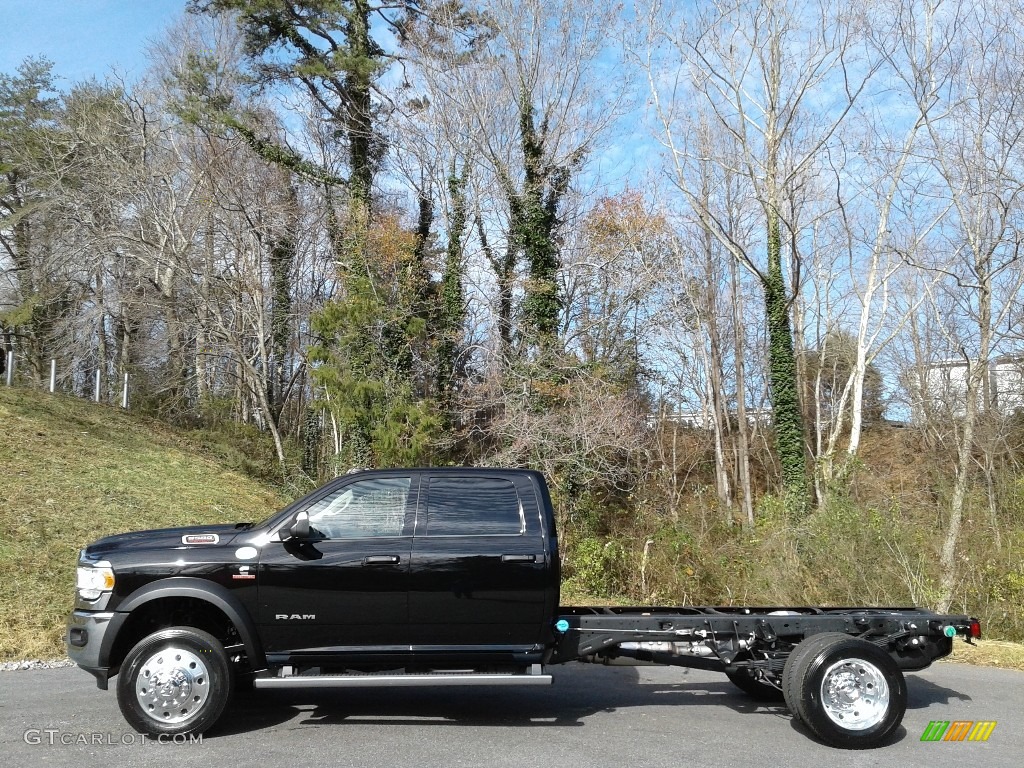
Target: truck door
[(480, 577), (346, 590)]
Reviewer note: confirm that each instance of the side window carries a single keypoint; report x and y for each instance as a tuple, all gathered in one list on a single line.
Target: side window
[(363, 509), (473, 506)]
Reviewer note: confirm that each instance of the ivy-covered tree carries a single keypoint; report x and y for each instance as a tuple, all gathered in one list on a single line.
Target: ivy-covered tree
[(534, 223), (451, 308)]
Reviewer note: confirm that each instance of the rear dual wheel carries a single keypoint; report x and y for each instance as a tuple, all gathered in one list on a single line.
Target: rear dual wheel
[(848, 691)]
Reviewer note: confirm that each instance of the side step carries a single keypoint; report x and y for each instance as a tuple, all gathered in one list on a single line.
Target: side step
[(370, 680)]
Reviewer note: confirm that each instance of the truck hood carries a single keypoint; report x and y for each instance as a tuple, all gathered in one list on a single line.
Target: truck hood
[(166, 538)]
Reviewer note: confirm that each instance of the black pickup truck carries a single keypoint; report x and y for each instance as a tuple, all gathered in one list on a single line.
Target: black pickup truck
[(445, 577)]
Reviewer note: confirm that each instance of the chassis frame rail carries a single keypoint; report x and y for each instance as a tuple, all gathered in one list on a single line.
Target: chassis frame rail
[(723, 638)]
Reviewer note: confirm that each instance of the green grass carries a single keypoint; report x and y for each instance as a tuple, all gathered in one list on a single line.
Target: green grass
[(71, 472), (990, 653)]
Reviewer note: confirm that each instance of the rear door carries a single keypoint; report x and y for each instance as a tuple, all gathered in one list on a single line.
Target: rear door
[(479, 577), (346, 590)]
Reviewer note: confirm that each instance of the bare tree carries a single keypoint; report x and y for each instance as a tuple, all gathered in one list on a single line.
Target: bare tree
[(975, 139), (778, 80)]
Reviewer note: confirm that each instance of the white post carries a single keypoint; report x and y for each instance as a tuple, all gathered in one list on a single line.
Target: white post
[(10, 367), (53, 376), (124, 393), (96, 386)]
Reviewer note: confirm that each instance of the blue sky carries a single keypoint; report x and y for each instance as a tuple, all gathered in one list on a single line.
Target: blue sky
[(83, 38)]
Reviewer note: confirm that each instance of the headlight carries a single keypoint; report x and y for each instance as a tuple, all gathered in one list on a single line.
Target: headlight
[(92, 581)]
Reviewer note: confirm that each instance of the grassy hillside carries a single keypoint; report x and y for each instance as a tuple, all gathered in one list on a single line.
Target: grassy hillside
[(70, 472)]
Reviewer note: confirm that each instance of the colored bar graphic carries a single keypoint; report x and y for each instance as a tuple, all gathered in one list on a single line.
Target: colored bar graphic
[(958, 730)]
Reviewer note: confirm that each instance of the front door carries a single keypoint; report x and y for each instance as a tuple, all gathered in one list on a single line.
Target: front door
[(345, 590)]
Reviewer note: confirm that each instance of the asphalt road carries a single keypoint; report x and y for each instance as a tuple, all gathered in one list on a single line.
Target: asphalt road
[(591, 717)]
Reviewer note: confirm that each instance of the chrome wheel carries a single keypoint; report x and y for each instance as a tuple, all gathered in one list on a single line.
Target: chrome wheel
[(172, 685), (854, 694)]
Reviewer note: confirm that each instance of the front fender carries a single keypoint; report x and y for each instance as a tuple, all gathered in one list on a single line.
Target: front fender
[(212, 593)]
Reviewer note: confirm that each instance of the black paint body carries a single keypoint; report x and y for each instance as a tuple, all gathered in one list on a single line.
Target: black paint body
[(410, 598)]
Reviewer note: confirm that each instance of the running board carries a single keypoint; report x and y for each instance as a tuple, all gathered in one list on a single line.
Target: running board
[(398, 681)]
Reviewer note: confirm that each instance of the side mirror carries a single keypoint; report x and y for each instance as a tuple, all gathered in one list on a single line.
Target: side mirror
[(300, 528)]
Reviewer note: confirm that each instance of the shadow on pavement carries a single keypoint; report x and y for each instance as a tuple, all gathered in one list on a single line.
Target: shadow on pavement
[(578, 692), (574, 696), (922, 693)]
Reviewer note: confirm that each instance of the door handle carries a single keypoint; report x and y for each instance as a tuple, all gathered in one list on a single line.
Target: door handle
[(519, 558), (382, 560)]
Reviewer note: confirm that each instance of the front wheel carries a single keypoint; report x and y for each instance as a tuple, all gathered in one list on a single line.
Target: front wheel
[(848, 691), (175, 681)]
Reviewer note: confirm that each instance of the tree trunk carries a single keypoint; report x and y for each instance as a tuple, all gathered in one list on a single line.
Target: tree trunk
[(101, 334), (786, 417), (282, 256), (358, 82), (743, 428), (977, 375)]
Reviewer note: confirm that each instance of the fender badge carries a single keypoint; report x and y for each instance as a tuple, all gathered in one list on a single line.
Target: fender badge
[(200, 538)]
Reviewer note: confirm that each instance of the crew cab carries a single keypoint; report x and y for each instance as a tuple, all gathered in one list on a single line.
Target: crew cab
[(445, 577)]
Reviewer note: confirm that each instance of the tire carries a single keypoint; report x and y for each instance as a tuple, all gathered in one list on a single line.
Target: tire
[(847, 691), (758, 690), (194, 678), (797, 662)]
